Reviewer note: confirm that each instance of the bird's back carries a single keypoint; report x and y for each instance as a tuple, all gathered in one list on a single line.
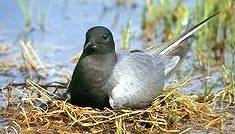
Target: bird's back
[(138, 77)]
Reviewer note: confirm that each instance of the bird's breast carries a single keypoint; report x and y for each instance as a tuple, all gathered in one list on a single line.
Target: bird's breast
[(96, 71)]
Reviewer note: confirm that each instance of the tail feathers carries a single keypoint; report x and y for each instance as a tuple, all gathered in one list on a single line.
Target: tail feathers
[(186, 35), (184, 45), (172, 45), (177, 49), (171, 65)]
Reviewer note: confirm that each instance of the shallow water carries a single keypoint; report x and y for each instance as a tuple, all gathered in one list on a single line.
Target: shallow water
[(58, 27)]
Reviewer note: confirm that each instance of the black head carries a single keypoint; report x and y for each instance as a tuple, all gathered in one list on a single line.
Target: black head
[(99, 40)]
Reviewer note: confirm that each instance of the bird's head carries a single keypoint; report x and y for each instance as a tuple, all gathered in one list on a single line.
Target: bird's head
[(99, 40)]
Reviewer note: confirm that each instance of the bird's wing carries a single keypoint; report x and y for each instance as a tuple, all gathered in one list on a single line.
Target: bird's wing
[(177, 48), (170, 46), (137, 77), (155, 48), (185, 35)]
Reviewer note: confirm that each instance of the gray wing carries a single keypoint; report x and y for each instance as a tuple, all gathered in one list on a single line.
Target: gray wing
[(188, 32), (138, 77), (178, 47)]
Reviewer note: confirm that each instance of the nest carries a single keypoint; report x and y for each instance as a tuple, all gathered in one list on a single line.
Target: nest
[(171, 112)]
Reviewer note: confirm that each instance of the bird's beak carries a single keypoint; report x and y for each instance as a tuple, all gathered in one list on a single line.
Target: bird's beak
[(90, 45)]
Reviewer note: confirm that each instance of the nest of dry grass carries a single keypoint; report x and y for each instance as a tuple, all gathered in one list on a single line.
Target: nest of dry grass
[(171, 112)]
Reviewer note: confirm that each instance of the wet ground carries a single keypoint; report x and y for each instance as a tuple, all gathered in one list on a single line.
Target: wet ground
[(58, 31)]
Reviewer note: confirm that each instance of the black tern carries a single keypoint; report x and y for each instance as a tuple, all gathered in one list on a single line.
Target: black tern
[(105, 78)]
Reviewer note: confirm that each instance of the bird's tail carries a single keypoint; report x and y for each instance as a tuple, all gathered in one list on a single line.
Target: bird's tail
[(178, 47), (171, 46)]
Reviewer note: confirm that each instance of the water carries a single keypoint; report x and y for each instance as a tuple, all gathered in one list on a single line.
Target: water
[(59, 27)]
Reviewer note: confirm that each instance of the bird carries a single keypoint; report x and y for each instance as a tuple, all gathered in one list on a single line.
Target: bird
[(105, 78)]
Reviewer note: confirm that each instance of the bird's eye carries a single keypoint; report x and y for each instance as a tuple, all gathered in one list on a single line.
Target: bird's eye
[(105, 36)]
